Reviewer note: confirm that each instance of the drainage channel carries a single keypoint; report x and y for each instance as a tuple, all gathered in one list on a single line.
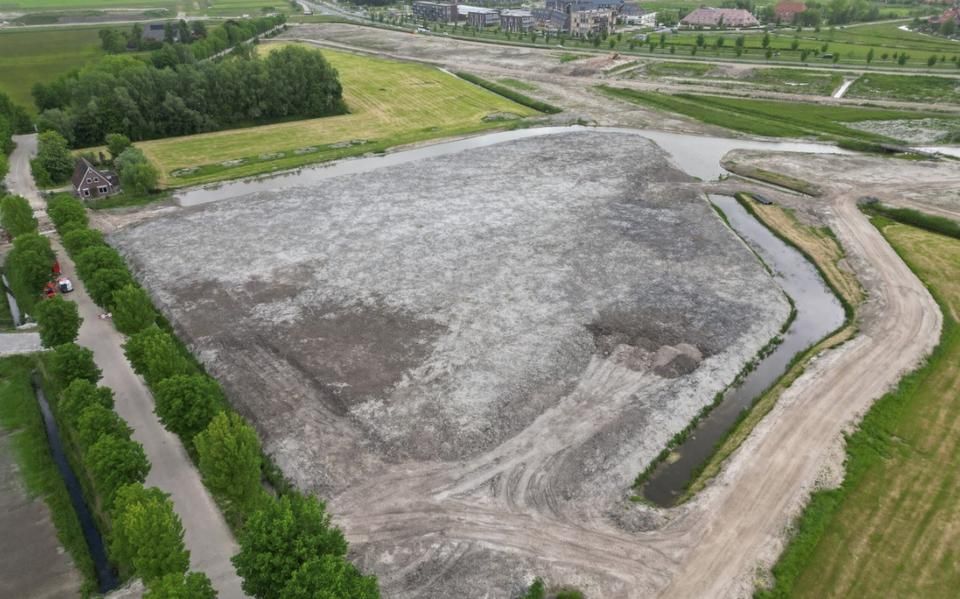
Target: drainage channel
[(818, 313), (106, 577)]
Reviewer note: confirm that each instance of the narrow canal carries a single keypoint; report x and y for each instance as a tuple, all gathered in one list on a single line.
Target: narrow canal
[(818, 313), (106, 577)]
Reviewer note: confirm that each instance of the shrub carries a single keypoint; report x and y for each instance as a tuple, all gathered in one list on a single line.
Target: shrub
[(137, 175), (148, 534), (58, 320), (279, 538), (194, 585), (132, 309), (81, 394), (16, 216), (117, 143), (78, 240), (96, 420), (330, 577), (103, 283), (65, 211), (95, 258), (537, 590), (187, 403), (114, 462), (229, 454), (70, 362), (155, 355)]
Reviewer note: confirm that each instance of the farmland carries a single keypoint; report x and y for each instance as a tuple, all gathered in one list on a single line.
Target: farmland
[(889, 530), (390, 103), (32, 56), (778, 119)]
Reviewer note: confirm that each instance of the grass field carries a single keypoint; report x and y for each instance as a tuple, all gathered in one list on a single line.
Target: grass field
[(40, 55), (774, 118), (19, 412), (30, 5), (891, 529), (390, 102), (917, 88)]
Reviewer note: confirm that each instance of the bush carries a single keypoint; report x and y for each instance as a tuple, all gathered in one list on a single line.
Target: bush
[(510, 94), (70, 362), (229, 462), (81, 394), (537, 590), (16, 216), (132, 309), (116, 144), (98, 257), (78, 240), (58, 320), (194, 585), (187, 403), (103, 283), (155, 355), (96, 420), (279, 538), (137, 175), (53, 157), (114, 462), (66, 211), (148, 534), (330, 577)]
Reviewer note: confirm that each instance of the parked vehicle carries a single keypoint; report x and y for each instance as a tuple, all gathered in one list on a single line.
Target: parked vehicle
[(65, 285)]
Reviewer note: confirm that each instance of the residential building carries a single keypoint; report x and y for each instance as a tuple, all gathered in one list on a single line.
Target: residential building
[(91, 182), (550, 19), (157, 32), (598, 21), (719, 17), (440, 12), (477, 16), (786, 11), (951, 14), (516, 21), (633, 14)]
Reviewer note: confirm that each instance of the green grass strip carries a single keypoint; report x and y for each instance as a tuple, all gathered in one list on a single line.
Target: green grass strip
[(510, 94)]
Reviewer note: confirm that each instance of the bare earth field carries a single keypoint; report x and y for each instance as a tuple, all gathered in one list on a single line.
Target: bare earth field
[(523, 325)]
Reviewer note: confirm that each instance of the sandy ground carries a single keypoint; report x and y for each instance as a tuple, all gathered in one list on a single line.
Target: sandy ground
[(34, 562)]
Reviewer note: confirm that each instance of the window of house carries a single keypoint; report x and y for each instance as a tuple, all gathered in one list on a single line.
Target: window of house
[(102, 189), (86, 192), (96, 179), (88, 179)]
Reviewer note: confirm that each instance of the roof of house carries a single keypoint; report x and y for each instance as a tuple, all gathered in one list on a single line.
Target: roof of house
[(83, 165), (787, 6), (731, 17), (463, 9), (515, 13)]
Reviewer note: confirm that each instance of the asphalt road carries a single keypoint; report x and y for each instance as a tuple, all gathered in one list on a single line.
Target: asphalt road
[(207, 536)]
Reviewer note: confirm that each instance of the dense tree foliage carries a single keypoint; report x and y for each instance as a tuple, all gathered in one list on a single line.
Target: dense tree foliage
[(187, 403), (96, 420), (230, 460), (137, 175), (16, 216), (70, 362), (13, 119), (148, 534), (80, 239), (132, 309), (193, 585), (116, 144), (27, 267), (81, 394), (58, 321), (155, 355), (114, 462), (280, 538), (121, 94), (54, 163), (66, 211), (190, 42), (330, 577), (103, 282), (98, 257)]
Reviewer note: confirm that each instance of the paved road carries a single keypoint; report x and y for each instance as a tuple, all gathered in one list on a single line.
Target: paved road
[(207, 536)]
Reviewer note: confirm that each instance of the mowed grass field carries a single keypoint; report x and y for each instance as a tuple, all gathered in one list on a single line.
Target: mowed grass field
[(390, 102), (33, 5), (893, 528), (31, 56)]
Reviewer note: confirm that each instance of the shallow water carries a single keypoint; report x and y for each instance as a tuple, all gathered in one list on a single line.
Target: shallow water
[(818, 313)]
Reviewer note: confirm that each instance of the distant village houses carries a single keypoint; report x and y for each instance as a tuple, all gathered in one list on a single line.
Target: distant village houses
[(786, 11), (715, 18), (516, 21), (580, 18)]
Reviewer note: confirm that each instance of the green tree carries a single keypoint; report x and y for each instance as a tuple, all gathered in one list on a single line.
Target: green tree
[(112, 41), (64, 210), (132, 309), (53, 155), (948, 27), (229, 454), (187, 403), (701, 41), (16, 216), (193, 585), (98, 257), (869, 55), (279, 538), (794, 44), (537, 590), (114, 462), (70, 362), (902, 59), (103, 283), (765, 42), (155, 355), (58, 321), (96, 420), (28, 267), (139, 178), (330, 577), (720, 41), (117, 143), (80, 239), (148, 534), (931, 61), (81, 394)]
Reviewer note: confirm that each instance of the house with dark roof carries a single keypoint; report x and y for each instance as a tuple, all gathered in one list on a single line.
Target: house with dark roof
[(90, 182)]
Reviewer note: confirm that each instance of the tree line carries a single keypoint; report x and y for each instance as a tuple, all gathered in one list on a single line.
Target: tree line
[(13, 119), (123, 94), (289, 549)]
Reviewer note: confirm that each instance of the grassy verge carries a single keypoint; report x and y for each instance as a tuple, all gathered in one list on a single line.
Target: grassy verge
[(510, 94), (391, 103), (19, 412), (778, 179), (776, 118), (908, 216), (821, 249), (123, 200), (889, 529)]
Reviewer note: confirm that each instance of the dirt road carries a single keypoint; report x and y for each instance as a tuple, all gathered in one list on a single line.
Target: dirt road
[(206, 535)]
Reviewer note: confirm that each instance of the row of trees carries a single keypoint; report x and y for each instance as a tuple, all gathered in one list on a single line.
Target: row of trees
[(13, 119), (121, 94), (289, 549)]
